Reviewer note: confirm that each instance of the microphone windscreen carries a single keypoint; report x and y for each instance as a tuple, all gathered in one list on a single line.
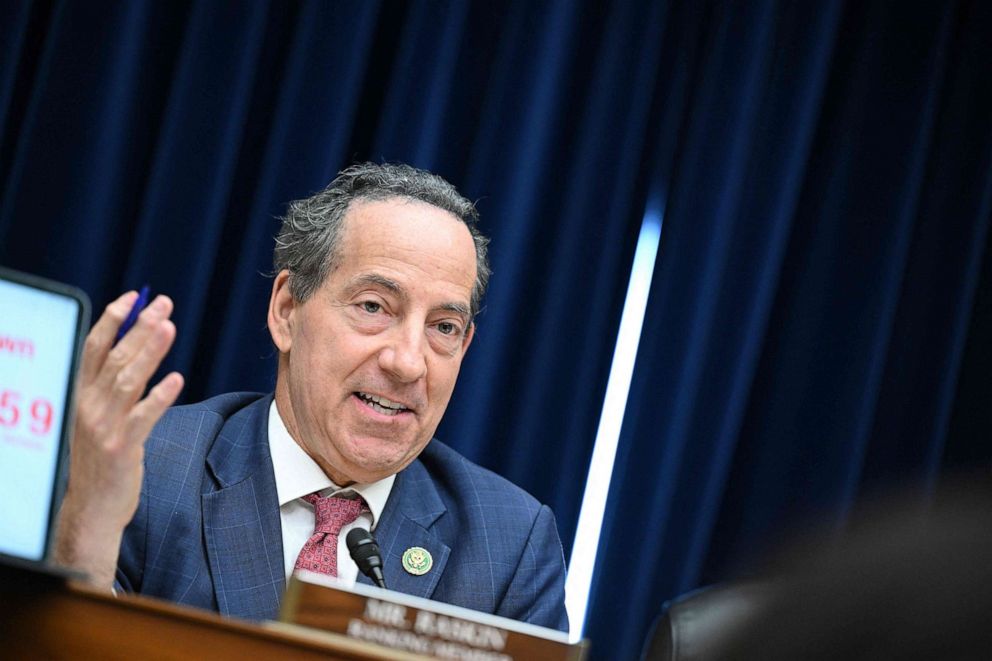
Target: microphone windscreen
[(362, 546), (365, 552)]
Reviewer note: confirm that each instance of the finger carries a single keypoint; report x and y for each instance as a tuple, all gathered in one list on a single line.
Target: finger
[(133, 343), (132, 379), (101, 336), (147, 412)]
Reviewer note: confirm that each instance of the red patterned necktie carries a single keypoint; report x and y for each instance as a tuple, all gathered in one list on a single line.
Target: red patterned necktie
[(320, 552)]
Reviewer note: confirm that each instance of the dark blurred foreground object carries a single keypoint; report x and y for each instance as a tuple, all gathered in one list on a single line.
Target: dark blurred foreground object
[(914, 583), (701, 623)]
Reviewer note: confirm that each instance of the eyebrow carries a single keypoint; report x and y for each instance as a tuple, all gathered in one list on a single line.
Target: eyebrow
[(366, 279), (379, 280), (457, 308)]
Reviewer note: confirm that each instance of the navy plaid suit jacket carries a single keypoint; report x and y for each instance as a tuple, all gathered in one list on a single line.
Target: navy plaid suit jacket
[(207, 531)]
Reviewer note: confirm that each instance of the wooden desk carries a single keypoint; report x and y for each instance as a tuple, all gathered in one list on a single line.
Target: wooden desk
[(42, 616)]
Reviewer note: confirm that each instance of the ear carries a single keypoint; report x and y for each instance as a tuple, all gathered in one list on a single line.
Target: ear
[(282, 307), (467, 340)]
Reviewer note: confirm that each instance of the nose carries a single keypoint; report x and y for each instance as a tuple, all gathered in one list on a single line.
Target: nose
[(403, 356)]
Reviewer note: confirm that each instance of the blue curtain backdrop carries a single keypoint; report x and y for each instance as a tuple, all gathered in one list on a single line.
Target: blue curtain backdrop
[(821, 308)]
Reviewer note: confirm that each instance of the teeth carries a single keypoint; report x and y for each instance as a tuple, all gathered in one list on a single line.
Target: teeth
[(381, 404), (382, 409), (386, 402)]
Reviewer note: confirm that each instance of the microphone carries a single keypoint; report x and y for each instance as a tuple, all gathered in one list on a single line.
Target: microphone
[(365, 552)]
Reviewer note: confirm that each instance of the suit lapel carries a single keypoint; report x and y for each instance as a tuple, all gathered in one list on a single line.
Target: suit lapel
[(241, 525), (407, 520), (243, 533)]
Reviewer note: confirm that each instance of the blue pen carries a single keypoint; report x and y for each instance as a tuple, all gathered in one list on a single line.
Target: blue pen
[(132, 316)]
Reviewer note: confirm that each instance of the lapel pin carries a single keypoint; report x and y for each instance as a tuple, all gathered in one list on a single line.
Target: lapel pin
[(417, 561)]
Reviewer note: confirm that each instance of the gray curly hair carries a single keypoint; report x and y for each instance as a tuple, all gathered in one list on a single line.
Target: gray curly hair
[(307, 244)]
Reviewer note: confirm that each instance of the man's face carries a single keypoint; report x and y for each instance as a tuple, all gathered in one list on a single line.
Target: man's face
[(368, 363)]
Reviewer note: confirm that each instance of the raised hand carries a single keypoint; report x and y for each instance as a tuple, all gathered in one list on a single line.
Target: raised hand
[(112, 423)]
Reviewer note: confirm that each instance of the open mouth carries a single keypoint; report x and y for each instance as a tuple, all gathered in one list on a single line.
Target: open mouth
[(381, 404)]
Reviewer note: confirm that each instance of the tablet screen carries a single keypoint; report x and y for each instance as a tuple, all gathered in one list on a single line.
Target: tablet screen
[(41, 324)]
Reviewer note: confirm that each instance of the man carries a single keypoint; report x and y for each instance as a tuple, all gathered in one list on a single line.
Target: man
[(378, 280)]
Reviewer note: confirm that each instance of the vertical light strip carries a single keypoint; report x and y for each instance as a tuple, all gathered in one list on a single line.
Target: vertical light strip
[(583, 561)]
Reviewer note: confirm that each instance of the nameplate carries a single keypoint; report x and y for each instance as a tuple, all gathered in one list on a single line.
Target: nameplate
[(420, 626)]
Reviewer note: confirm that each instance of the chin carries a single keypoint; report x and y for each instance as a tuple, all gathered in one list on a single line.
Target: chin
[(365, 469), (378, 468), (369, 459)]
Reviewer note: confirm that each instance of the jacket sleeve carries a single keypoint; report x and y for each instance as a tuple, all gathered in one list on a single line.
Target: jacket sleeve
[(130, 560), (537, 590)]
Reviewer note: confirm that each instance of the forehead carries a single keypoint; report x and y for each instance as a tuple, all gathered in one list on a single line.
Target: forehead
[(412, 242)]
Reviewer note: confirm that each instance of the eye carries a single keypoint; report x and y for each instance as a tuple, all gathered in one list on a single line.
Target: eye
[(447, 328), (371, 307)]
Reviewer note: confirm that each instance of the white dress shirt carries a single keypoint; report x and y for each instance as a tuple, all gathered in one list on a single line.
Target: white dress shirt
[(298, 475)]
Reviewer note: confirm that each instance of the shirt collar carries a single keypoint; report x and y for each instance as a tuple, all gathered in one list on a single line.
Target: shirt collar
[(298, 475)]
